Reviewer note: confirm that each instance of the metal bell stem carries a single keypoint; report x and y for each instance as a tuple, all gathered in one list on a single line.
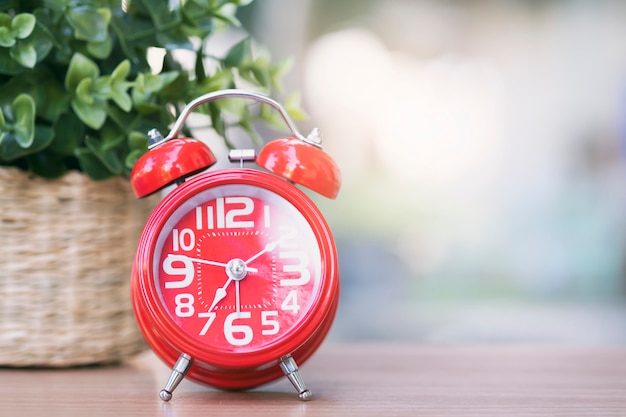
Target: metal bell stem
[(290, 368), (179, 371)]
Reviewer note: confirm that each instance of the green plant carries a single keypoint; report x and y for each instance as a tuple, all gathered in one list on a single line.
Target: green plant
[(78, 91)]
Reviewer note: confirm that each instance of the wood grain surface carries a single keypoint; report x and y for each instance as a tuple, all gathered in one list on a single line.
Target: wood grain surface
[(349, 380)]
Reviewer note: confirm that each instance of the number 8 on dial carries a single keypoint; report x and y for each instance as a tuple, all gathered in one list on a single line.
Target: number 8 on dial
[(235, 279)]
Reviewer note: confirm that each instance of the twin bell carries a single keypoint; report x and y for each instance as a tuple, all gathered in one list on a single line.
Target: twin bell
[(296, 158)]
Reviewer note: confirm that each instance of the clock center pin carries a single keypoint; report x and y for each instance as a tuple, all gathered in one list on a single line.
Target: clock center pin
[(236, 269)]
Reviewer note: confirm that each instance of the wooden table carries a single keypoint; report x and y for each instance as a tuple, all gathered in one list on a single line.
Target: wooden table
[(349, 380)]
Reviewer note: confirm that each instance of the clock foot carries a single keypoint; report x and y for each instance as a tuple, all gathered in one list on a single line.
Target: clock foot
[(179, 371), (290, 368)]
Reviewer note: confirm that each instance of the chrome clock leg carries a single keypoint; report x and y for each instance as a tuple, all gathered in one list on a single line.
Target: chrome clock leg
[(179, 371), (290, 368)]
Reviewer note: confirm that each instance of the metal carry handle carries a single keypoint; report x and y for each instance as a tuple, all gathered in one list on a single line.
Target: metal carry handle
[(312, 139)]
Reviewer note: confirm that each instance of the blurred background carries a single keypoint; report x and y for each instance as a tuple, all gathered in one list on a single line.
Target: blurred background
[(482, 145)]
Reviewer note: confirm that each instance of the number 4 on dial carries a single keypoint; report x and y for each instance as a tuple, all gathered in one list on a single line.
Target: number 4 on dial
[(291, 302)]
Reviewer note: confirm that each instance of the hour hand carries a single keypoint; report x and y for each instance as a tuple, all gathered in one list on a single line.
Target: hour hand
[(220, 293)]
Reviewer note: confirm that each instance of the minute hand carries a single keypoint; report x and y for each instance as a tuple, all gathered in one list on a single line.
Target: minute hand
[(268, 248), (204, 261)]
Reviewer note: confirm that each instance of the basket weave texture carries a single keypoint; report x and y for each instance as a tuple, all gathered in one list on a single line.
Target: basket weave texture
[(67, 248)]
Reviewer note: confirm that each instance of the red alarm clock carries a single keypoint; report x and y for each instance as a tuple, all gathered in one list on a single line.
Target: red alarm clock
[(235, 280)]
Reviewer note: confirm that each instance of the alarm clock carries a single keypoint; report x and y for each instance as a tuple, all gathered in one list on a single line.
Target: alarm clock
[(235, 280)]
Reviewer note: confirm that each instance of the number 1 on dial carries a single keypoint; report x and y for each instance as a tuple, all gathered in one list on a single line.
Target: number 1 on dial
[(266, 216)]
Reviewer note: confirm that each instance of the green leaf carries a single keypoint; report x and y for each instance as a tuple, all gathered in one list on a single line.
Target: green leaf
[(262, 76), (69, 134), (10, 149), (122, 99), (240, 54), (7, 39), (233, 106), (119, 85), (80, 67), (5, 20), (89, 23), (173, 39), (144, 103), (121, 71), (91, 165), (8, 66), (22, 25), (24, 53), (293, 108), (216, 119), (222, 79), (198, 17), (199, 65), (93, 115), (84, 92), (46, 164), (100, 50), (151, 83), (106, 156), (55, 100), (132, 157), (111, 137), (270, 116), (23, 108), (162, 13), (57, 5), (122, 120), (278, 71), (168, 77), (142, 97), (227, 14), (101, 87), (176, 88), (137, 140), (45, 36)]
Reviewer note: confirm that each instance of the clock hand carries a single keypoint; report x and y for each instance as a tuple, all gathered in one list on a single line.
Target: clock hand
[(268, 248), (238, 300), (236, 270), (204, 261), (220, 293)]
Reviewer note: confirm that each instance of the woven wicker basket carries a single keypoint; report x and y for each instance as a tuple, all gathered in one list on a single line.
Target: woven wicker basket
[(67, 248)]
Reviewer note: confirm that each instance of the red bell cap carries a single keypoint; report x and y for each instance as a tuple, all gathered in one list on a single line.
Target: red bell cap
[(172, 160), (302, 163)]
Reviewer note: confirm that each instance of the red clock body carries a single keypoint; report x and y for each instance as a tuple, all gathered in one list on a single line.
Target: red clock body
[(236, 269)]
